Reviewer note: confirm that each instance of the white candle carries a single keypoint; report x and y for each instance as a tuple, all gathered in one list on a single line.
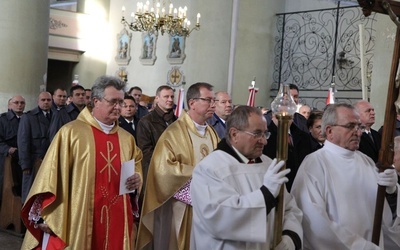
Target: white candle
[(158, 8), (198, 18), (170, 9), (362, 64), (185, 23), (175, 12), (123, 11)]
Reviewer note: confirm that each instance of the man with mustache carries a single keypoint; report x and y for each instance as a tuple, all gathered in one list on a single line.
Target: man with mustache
[(336, 189)]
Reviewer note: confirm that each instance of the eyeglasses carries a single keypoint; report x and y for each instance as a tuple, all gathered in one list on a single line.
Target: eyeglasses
[(209, 100), (352, 126), (114, 102), (258, 135)]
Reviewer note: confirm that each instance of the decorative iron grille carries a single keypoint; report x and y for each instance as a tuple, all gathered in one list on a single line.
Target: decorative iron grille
[(310, 44)]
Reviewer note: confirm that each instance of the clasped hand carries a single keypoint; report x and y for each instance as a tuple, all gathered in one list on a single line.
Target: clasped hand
[(273, 179), (388, 179)]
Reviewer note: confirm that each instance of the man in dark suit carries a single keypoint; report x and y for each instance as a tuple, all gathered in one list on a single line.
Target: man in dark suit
[(70, 112), (136, 92), (59, 99), (9, 123), (223, 108), (127, 120), (33, 140), (370, 141), (299, 120), (299, 147)]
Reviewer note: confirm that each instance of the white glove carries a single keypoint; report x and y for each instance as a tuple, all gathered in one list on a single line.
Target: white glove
[(286, 244), (388, 179), (274, 179)]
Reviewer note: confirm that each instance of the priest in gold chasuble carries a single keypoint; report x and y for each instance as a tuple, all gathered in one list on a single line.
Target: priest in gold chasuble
[(75, 201), (167, 212)]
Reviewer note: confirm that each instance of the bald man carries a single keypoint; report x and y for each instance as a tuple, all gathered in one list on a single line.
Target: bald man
[(33, 140), (370, 142), (9, 122)]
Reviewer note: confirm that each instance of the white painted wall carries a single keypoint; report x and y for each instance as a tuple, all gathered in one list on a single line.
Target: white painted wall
[(208, 50)]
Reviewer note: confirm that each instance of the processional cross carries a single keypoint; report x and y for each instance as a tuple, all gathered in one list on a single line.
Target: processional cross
[(391, 8)]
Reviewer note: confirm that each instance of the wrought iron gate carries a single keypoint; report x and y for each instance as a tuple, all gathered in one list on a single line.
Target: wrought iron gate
[(315, 48)]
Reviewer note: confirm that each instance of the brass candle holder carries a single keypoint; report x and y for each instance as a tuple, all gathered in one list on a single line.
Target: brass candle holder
[(283, 107)]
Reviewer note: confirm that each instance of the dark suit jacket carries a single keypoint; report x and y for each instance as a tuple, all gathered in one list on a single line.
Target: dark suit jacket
[(296, 153), (128, 127), (33, 137), (369, 147), (141, 111), (299, 120), (314, 144), (8, 132), (62, 117), (218, 125)]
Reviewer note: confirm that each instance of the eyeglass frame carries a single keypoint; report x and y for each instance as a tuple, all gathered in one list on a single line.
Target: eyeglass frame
[(258, 135), (114, 102), (351, 126), (209, 100)]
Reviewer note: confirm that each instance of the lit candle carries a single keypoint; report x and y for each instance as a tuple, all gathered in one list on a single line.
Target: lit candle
[(152, 10), (170, 9), (163, 12), (133, 17), (175, 12), (198, 18), (123, 10), (188, 24), (137, 7), (184, 11)]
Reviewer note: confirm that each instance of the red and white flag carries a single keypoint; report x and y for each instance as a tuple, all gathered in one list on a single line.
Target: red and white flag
[(252, 95), (179, 103), (331, 97)]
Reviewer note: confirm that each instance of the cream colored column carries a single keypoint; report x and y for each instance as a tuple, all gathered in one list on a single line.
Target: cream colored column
[(24, 33)]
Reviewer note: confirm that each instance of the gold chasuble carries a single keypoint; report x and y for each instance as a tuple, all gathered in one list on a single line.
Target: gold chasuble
[(78, 183), (166, 221)]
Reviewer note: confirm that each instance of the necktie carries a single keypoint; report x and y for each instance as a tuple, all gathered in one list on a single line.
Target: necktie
[(370, 135), (132, 125), (47, 115)]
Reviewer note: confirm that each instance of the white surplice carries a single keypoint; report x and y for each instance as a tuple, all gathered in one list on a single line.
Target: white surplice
[(336, 190), (229, 210)]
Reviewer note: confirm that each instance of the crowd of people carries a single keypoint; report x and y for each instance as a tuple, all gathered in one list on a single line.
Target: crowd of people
[(104, 172)]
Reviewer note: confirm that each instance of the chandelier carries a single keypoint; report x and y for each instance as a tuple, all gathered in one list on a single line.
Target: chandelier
[(156, 19)]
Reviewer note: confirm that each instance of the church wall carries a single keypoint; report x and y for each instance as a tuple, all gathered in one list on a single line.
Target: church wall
[(208, 50), (24, 30)]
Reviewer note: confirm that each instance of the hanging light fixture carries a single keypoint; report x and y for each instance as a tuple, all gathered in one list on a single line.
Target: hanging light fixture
[(156, 19)]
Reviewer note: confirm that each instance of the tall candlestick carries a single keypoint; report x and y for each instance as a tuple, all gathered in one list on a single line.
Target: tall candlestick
[(362, 64)]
